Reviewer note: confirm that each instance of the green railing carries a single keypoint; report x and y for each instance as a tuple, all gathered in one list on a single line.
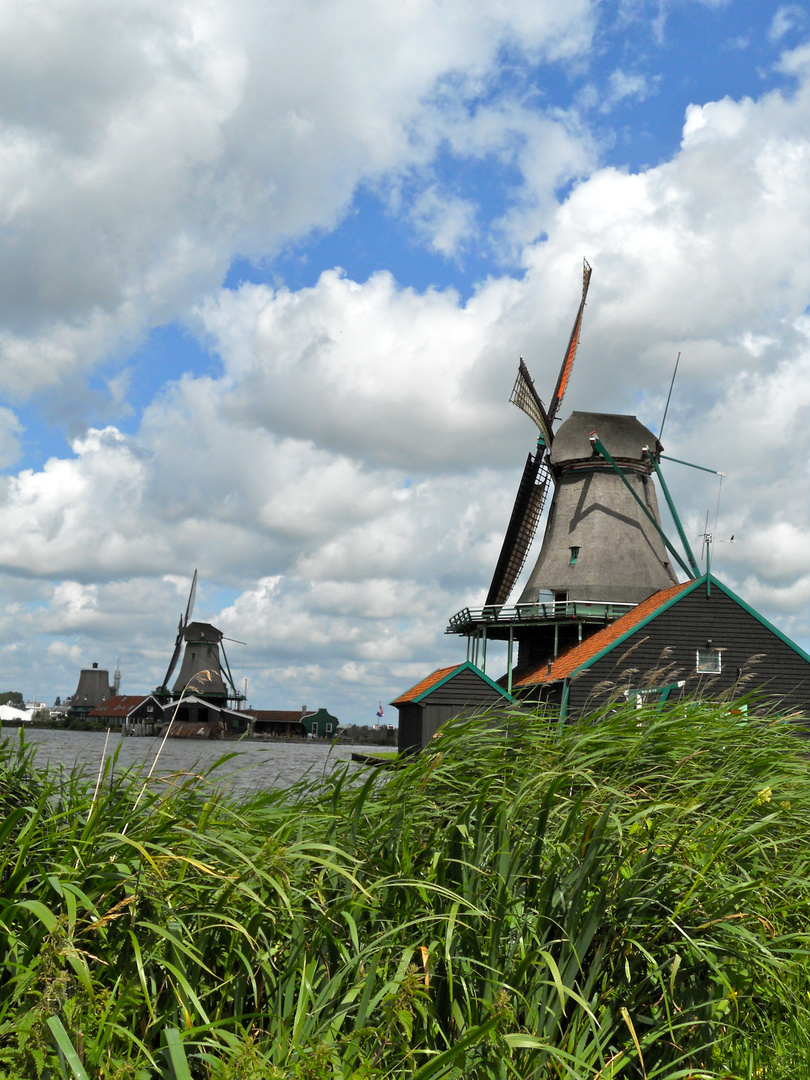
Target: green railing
[(554, 611)]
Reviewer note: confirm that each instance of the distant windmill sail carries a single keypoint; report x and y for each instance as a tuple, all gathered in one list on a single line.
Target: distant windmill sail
[(571, 351), (191, 597), (521, 529), (178, 645), (181, 628)]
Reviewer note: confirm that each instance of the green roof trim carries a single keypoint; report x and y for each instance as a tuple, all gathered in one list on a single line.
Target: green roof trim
[(704, 579), (760, 618), (468, 665)]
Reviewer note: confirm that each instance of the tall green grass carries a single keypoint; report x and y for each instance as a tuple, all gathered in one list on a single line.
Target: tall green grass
[(630, 898)]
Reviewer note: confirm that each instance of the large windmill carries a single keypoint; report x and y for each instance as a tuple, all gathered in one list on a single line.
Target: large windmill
[(205, 671), (603, 550)]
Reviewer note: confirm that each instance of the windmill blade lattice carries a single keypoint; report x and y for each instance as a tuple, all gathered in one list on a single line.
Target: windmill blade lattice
[(531, 497), (528, 401), (178, 645), (181, 627)]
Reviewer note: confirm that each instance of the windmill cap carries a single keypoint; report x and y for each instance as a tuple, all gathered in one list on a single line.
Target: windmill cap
[(202, 631), (624, 437)]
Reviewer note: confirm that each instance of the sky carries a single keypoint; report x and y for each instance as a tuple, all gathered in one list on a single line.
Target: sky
[(266, 272)]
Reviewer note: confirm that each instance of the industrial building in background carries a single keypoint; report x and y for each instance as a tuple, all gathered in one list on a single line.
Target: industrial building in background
[(94, 687)]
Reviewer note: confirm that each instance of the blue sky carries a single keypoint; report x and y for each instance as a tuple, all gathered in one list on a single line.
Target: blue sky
[(266, 275)]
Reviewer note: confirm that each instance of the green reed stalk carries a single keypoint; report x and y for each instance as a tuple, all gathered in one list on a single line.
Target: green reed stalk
[(630, 899)]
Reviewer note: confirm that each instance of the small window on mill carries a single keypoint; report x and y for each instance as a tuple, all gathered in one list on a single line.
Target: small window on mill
[(574, 556), (709, 661)]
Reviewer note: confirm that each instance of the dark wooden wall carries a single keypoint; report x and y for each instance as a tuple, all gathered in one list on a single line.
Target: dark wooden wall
[(465, 688), (463, 695), (663, 651), (409, 730)]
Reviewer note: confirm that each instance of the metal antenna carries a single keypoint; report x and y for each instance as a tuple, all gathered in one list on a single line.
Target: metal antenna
[(669, 395), (707, 538), (719, 493)]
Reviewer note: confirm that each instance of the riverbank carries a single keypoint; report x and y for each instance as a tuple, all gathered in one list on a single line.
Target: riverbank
[(631, 898), (353, 735)]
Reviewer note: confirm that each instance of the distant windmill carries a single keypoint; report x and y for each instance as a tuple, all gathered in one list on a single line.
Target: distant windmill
[(202, 668)]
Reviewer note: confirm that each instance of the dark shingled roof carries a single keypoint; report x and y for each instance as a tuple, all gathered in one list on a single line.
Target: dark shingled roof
[(277, 716), (119, 706), (202, 631), (624, 437), (566, 664)]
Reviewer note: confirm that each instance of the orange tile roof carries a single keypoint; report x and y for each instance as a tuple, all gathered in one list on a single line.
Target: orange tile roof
[(567, 663), (425, 684)]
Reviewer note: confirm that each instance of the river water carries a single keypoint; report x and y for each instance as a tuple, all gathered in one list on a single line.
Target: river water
[(256, 764)]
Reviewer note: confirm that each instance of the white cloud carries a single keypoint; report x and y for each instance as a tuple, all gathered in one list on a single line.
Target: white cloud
[(343, 483), (10, 432), (390, 376), (444, 220), (623, 85), (788, 17), (143, 146)]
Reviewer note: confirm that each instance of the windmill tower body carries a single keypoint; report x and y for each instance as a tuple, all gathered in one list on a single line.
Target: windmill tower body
[(93, 688), (599, 545), (201, 662)]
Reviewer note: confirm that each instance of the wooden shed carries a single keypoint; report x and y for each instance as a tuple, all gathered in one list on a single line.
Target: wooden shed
[(696, 639), (199, 718), (125, 711), (460, 690), (321, 724), (277, 723)]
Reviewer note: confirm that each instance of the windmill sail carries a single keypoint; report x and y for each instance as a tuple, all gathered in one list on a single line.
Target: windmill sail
[(181, 628), (571, 351), (537, 474), (528, 400), (178, 645), (522, 526), (191, 596)]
